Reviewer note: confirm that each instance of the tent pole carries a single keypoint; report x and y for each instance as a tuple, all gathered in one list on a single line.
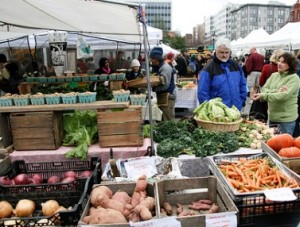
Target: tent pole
[(141, 14)]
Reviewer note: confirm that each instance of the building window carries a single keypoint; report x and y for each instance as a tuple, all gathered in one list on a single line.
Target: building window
[(299, 14)]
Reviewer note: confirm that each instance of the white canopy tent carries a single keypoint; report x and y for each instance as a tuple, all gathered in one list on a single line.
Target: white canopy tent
[(84, 16), (251, 39), (286, 38)]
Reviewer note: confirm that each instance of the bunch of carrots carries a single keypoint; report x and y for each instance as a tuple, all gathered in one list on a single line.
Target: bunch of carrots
[(255, 175)]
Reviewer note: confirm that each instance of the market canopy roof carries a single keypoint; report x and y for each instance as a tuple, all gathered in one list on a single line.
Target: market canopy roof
[(110, 20)]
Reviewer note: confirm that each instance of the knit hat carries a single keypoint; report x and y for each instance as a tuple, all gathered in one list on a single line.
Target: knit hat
[(170, 56), (135, 62), (193, 57), (224, 42), (156, 53)]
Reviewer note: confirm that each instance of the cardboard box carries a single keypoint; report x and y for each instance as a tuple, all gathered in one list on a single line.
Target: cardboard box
[(37, 130), (185, 191)]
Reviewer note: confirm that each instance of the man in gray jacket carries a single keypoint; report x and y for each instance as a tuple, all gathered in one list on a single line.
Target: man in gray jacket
[(166, 90)]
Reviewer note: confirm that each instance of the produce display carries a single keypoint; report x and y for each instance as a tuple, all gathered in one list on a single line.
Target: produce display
[(186, 84), (25, 179), (216, 111), (255, 175), (120, 207), (182, 137), (251, 133), (27, 207), (202, 206)]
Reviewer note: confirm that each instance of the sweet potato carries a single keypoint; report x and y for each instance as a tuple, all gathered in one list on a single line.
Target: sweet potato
[(105, 202), (135, 199), (103, 190), (105, 216), (122, 197), (141, 184), (149, 202), (199, 206), (185, 213), (214, 209), (143, 212), (179, 208), (168, 208)]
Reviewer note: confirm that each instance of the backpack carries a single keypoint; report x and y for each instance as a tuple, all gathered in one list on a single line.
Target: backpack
[(191, 69)]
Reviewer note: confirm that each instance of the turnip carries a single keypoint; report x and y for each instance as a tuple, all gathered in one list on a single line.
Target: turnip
[(53, 180), (70, 174), (5, 181), (21, 179)]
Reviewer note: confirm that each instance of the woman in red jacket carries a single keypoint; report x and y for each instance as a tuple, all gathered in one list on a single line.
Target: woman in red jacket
[(268, 69)]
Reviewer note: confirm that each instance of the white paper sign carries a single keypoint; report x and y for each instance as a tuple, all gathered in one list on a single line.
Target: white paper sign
[(224, 219), (280, 194), (161, 222), (144, 166)]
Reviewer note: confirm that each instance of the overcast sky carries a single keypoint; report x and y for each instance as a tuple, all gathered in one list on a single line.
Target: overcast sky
[(188, 13)]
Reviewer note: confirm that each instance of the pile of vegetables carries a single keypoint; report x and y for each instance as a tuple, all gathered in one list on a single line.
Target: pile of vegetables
[(119, 207), (183, 137), (256, 175), (251, 133), (81, 130), (205, 206), (27, 207), (216, 111), (285, 145), (36, 178)]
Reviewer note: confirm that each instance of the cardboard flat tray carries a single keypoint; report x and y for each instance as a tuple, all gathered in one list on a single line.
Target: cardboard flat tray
[(142, 82)]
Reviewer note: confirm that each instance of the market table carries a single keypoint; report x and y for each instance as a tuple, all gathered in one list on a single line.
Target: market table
[(94, 151), (186, 98)]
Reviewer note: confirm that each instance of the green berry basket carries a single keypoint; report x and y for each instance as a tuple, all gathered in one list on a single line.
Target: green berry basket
[(6, 101), (21, 101), (69, 98), (103, 77), (87, 97), (53, 99), (37, 100)]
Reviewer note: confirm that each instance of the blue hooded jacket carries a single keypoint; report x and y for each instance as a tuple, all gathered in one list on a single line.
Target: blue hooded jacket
[(225, 80)]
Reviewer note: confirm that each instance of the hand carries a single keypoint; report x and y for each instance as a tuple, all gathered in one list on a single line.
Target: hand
[(256, 96), (283, 88)]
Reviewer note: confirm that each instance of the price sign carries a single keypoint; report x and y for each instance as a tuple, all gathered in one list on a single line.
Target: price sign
[(161, 222), (224, 219), (280, 194), (144, 166)]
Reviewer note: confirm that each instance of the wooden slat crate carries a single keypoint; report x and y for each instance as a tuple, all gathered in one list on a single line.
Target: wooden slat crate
[(37, 130), (188, 190), (120, 127)]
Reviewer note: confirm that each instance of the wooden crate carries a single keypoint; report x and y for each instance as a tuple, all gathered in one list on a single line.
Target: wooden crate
[(37, 130), (185, 191), (120, 127), (114, 187), (291, 163)]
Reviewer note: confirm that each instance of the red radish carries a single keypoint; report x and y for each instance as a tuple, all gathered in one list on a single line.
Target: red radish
[(34, 181), (21, 179), (5, 181), (53, 180), (86, 173), (68, 180), (38, 178), (70, 174)]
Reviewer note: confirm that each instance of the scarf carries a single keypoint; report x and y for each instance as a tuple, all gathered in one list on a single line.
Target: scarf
[(106, 70)]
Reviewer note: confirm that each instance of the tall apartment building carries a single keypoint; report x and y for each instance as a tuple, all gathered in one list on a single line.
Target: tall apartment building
[(295, 13), (158, 12), (235, 20), (249, 17)]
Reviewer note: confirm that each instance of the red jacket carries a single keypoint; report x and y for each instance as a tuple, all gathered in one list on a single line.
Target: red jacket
[(266, 73), (254, 62)]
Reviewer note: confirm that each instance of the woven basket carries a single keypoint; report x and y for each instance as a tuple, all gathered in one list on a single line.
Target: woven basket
[(219, 126), (142, 82)]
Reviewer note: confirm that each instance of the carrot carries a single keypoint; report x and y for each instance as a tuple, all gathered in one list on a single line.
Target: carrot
[(279, 183), (241, 174)]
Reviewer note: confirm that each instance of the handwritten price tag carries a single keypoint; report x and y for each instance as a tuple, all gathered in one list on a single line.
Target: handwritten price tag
[(224, 219), (162, 222), (138, 167), (280, 194)]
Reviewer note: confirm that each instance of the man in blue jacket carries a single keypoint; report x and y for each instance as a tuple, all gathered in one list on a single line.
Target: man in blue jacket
[(223, 78)]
